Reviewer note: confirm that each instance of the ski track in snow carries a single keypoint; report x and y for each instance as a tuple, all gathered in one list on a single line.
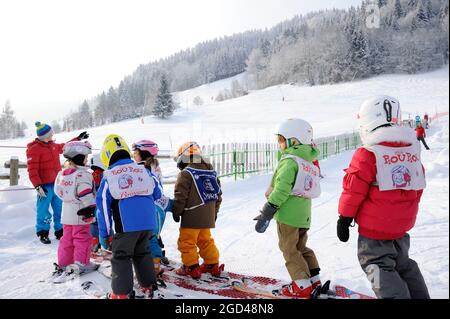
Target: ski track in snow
[(25, 263)]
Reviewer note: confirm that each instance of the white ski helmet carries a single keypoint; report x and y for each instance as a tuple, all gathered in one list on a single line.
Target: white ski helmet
[(296, 128), (74, 148), (97, 162), (378, 111)]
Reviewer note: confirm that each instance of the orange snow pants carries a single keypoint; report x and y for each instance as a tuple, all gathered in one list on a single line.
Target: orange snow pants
[(194, 241)]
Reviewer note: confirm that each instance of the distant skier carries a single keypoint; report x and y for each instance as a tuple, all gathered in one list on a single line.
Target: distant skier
[(127, 196), (43, 165), (144, 153), (421, 134), (295, 182), (196, 204), (75, 187), (382, 190)]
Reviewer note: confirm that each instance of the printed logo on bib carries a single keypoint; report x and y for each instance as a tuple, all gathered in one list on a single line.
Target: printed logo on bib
[(125, 181), (401, 177), (308, 183), (129, 180)]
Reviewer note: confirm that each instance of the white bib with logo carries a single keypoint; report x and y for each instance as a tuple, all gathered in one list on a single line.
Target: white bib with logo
[(398, 167), (65, 187), (307, 184), (129, 180)]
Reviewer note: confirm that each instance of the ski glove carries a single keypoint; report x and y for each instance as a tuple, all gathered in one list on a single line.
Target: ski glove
[(42, 192), (343, 225), (263, 220), (83, 136), (87, 213)]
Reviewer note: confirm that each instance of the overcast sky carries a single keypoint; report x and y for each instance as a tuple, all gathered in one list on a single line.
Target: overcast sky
[(55, 53)]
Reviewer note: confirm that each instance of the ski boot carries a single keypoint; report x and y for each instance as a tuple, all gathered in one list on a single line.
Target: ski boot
[(43, 237), (58, 271), (213, 269), (82, 269), (150, 293), (59, 234), (164, 260), (301, 289), (190, 271)]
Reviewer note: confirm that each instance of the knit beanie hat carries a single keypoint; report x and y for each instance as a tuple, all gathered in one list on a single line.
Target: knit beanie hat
[(43, 130)]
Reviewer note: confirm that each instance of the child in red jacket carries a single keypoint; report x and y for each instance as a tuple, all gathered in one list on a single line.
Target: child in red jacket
[(420, 133), (382, 190), (44, 164)]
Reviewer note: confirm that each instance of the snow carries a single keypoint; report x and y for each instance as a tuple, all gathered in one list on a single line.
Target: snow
[(25, 263)]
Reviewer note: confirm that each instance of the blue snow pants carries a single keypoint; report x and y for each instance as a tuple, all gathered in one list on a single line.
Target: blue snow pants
[(154, 243), (43, 216)]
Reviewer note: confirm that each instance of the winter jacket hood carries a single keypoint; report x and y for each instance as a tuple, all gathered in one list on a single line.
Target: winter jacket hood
[(393, 134)]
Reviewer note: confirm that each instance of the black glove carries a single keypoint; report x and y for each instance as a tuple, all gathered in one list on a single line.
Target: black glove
[(263, 220), (87, 213), (343, 225), (176, 218), (83, 136)]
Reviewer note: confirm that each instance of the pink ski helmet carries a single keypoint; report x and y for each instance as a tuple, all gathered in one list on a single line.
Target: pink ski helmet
[(146, 146)]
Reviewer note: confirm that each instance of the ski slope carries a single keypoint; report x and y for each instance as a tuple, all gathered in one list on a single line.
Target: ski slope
[(25, 262)]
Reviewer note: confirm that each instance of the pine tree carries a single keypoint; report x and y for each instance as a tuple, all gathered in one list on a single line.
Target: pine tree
[(113, 112), (164, 105), (85, 119), (382, 3), (422, 18), (101, 110), (398, 10), (412, 5)]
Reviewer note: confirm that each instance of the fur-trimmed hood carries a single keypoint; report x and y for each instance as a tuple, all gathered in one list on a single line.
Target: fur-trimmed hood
[(395, 133)]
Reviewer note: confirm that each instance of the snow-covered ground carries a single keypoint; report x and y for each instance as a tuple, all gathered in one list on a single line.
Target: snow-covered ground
[(24, 262)]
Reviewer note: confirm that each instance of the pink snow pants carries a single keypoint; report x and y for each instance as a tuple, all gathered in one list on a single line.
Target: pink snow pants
[(75, 245)]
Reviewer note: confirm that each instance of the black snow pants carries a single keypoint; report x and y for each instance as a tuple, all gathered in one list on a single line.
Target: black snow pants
[(421, 139), (132, 249), (392, 273)]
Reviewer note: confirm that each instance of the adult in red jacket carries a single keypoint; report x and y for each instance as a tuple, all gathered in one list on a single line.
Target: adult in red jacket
[(421, 134), (44, 164), (382, 189)]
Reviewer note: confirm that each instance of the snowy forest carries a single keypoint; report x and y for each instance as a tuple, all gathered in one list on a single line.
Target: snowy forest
[(324, 47), (10, 127)]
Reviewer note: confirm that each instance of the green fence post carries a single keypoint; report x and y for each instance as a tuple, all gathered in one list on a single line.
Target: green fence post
[(235, 164)]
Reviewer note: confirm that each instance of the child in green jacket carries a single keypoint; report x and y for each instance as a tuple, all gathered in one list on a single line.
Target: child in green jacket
[(295, 183)]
